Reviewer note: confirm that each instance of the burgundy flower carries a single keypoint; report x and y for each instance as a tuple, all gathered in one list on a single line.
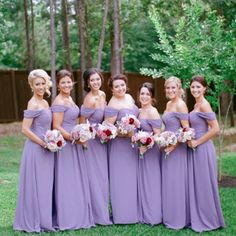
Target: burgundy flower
[(59, 143), (107, 132), (131, 121), (185, 129), (148, 141)]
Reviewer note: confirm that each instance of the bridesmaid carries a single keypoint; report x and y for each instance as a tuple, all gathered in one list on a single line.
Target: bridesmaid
[(149, 173), (205, 208), (96, 154), (34, 204), (174, 168), (123, 160), (72, 198)]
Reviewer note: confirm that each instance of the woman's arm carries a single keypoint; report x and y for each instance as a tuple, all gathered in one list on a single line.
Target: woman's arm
[(57, 122), (26, 124)]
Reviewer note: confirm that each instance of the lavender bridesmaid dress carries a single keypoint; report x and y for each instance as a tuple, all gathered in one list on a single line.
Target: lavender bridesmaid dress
[(175, 202), (123, 164), (34, 203), (72, 197), (205, 209), (97, 165), (149, 179)]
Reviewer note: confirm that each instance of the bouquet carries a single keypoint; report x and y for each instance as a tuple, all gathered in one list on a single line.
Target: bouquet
[(185, 134), (166, 139), (143, 139), (54, 140), (83, 132), (127, 124), (106, 132)]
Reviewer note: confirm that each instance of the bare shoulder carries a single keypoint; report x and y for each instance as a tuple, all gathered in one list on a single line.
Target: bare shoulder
[(45, 103), (102, 94), (32, 105), (153, 113), (58, 101), (112, 103), (88, 101), (181, 106), (129, 97), (168, 105), (205, 107)]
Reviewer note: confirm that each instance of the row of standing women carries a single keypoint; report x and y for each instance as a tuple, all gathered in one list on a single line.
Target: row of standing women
[(72, 189)]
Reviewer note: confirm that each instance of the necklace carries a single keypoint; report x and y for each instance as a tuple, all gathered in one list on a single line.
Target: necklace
[(198, 104)]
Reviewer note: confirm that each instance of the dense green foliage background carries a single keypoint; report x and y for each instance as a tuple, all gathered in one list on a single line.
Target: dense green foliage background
[(138, 31)]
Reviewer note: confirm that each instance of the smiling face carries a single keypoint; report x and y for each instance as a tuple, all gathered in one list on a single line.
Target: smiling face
[(145, 97), (39, 86), (172, 90), (95, 82), (65, 85), (197, 89), (119, 88)]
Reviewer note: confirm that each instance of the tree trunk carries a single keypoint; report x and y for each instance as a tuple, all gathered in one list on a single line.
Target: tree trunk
[(53, 48), (32, 34), (65, 35), (88, 47), (116, 44), (102, 35), (80, 9), (28, 46)]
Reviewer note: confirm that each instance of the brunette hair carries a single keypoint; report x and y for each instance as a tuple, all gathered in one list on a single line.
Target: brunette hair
[(117, 77), (151, 90), (63, 73), (200, 79), (86, 76)]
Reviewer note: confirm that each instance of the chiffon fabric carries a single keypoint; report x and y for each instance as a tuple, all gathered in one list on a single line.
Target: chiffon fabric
[(72, 196), (97, 165), (205, 208), (175, 201), (149, 179), (34, 203), (123, 167)]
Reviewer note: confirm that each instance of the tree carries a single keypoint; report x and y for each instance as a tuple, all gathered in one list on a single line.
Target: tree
[(32, 34), (201, 45), (28, 44), (53, 48), (102, 35), (116, 65), (65, 35)]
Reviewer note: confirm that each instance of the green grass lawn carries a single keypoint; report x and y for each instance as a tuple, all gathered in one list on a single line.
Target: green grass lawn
[(10, 154)]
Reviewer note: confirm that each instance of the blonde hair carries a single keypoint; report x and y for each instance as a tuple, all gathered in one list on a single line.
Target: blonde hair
[(177, 81), (39, 73)]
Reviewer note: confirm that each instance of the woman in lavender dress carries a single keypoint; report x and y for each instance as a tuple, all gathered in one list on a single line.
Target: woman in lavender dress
[(34, 204), (149, 173), (205, 208), (123, 161), (72, 197), (174, 167), (96, 154)]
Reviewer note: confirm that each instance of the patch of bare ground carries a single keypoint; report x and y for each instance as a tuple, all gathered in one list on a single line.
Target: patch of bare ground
[(3, 181), (10, 129), (228, 181)]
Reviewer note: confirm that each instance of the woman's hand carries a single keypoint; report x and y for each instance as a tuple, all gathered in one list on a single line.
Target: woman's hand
[(170, 148), (142, 150), (192, 143)]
